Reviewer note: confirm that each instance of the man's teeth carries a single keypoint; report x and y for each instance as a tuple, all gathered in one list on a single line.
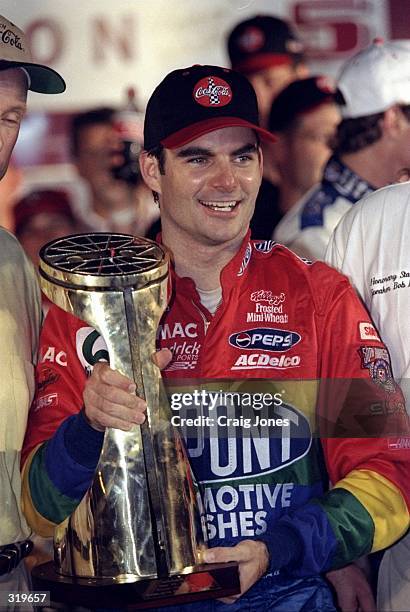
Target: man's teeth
[(220, 206)]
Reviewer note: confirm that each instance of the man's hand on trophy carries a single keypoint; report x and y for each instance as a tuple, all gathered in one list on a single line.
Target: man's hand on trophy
[(253, 559), (110, 398)]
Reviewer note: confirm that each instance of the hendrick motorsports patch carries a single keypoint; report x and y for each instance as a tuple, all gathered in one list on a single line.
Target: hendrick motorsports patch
[(377, 361)]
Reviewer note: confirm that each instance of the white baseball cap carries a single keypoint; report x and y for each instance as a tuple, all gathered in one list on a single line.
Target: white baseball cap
[(375, 79), (15, 53)]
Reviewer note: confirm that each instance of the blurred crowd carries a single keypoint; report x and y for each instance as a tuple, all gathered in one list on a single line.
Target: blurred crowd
[(325, 129)]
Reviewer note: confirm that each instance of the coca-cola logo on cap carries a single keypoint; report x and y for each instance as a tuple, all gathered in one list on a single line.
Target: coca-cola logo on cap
[(9, 37), (212, 91)]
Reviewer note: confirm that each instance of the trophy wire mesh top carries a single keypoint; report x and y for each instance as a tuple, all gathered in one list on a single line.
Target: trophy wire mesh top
[(106, 258)]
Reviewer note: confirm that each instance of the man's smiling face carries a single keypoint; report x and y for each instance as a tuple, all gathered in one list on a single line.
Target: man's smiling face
[(209, 187)]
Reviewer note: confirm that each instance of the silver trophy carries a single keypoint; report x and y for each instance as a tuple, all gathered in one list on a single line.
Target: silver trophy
[(137, 535)]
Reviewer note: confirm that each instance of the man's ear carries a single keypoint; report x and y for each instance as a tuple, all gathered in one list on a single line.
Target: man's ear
[(261, 160), (393, 121), (150, 171)]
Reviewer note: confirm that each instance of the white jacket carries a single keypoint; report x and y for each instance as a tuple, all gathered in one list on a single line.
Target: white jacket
[(371, 245)]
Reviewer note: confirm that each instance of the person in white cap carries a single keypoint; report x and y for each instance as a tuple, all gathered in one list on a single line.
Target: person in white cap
[(371, 145), (20, 308), (370, 246)]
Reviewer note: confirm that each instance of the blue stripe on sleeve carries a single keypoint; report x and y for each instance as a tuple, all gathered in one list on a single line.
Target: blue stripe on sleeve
[(72, 455)]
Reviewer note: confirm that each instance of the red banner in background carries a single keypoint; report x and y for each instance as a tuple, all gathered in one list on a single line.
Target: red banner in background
[(333, 30), (399, 17)]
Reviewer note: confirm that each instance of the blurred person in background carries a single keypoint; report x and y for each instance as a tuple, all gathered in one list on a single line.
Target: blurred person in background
[(110, 203), (370, 246), (42, 216), (20, 313), (304, 118), (371, 145), (267, 51)]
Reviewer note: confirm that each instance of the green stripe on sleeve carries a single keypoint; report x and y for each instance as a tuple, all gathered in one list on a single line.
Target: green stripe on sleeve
[(47, 500), (351, 523)]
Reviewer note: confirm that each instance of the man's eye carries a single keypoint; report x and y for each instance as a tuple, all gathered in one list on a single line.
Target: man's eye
[(246, 157), (12, 119), (196, 160)]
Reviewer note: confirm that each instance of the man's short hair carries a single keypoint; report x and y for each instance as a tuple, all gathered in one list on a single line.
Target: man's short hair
[(159, 154), (353, 135), (96, 116), (298, 98)]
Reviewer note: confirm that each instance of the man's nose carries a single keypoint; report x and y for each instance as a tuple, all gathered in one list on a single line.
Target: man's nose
[(225, 176)]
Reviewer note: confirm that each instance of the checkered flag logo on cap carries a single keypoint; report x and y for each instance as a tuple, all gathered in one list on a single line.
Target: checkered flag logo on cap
[(214, 95)]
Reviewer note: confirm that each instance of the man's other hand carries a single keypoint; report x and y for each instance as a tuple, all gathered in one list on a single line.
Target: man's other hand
[(352, 589), (252, 557)]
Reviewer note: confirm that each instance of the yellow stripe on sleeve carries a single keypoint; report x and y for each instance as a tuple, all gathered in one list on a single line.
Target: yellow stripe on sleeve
[(37, 522), (383, 501)]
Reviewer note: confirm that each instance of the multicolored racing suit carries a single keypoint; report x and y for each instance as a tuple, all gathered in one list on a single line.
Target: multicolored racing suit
[(285, 326)]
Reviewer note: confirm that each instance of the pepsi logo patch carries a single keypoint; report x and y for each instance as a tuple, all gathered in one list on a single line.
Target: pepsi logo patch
[(265, 338), (212, 91), (251, 40), (367, 331)]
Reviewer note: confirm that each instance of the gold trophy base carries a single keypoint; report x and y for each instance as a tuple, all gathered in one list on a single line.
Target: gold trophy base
[(208, 581)]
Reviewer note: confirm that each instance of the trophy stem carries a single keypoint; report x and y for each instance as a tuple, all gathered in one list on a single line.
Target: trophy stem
[(155, 505)]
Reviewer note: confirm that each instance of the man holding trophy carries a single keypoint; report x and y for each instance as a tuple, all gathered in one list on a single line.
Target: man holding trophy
[(238, 310)]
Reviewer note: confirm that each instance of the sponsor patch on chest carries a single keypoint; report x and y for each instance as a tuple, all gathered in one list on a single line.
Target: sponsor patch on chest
[(265, 338), (267, 307)]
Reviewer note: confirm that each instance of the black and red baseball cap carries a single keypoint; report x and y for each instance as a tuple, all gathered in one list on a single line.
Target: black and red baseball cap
[(194, 101), (261, 42), (298, 98)]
